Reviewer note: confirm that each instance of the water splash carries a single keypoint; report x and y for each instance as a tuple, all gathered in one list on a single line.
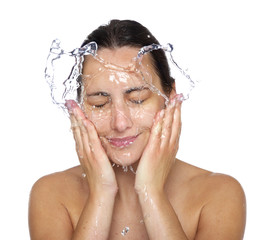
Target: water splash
[(63, 84), (169, 49)]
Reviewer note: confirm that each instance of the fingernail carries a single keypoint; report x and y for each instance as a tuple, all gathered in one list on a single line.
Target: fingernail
[(172, 103), (85, 123), (180, 97), (70, 104), (162, 113)]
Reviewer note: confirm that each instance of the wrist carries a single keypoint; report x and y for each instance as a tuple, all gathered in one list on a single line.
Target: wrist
[(101, 192), (150, 193)]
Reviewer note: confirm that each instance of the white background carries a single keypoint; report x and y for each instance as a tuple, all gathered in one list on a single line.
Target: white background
[(217, 41)]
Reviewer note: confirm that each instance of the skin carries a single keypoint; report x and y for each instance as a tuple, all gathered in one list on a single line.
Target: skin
[(165, 199)]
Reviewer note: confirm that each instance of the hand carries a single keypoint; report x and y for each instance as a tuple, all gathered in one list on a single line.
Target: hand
[(159, 155), (91, 154)]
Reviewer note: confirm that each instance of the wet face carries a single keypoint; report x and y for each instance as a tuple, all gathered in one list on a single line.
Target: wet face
[(121, 101)]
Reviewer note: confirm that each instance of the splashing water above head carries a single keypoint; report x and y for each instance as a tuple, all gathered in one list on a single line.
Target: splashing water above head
[(65, 67)]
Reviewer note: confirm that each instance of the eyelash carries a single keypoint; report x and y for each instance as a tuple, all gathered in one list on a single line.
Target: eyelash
[(99, 106), (133, 101), (137, 101)]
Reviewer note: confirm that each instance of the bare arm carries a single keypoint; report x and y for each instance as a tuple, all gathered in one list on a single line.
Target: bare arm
[(156, 162), (95, 220), (160, 218)]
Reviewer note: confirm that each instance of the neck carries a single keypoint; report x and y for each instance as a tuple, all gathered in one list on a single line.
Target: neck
[(126, 182)]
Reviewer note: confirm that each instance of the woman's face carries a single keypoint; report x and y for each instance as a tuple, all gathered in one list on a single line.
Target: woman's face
[(120, 103)]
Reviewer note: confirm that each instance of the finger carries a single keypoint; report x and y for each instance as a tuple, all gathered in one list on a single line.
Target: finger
[(94, 141), (77, 136), (80, 133), (74, 109), (85, 138), (155, 135), (177, 123), (91, 142), (168, 122)]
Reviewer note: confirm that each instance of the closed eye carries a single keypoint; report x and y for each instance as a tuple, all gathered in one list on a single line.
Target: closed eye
[(99, 106), (138, 101), (138, 95), (98, 99)]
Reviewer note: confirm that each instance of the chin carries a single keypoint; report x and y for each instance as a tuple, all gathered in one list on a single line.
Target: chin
[(124, 157)]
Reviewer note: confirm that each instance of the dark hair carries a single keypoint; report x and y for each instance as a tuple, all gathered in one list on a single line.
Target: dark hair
[(120, 33)]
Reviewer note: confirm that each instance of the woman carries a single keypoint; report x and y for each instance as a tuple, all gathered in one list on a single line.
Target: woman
[(124, 122)]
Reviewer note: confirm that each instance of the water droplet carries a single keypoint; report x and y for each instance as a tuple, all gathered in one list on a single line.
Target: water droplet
[(125, 231), (131, 169), (125, 168)]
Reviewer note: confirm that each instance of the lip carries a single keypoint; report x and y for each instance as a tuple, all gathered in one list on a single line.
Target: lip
[(122, 142)]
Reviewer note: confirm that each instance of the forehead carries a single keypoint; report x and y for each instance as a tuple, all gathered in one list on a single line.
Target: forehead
[(114, 69), (124, 58)]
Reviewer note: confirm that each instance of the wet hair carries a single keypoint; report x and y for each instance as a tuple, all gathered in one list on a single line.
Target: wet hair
[(121, 33)]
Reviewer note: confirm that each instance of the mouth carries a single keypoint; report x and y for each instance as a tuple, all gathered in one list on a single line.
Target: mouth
[(122, 142)]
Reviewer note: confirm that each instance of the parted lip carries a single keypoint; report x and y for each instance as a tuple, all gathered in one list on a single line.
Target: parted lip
[(122, 142)]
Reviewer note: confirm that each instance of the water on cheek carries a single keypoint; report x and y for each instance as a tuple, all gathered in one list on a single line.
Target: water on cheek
[(100, 118), (143, 118)]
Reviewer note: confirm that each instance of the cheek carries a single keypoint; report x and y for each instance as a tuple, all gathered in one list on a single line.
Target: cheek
[(142, 117), (145, 116), (100, 118), (148, 111)]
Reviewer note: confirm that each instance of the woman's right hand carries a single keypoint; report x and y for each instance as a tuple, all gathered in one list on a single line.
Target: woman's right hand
[(92, 156)]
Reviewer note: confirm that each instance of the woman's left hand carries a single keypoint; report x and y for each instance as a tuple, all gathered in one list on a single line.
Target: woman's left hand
[(159, 155)]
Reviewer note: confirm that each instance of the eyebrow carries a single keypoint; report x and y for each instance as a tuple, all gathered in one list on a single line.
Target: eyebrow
[(141, 88), (128, 91), (105, 94)]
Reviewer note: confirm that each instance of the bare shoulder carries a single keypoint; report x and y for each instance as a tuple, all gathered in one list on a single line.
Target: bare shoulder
[(218, 186), (209, 182), (61, 187), (50, 200), (222, 213), (59, 181), (225, 207)]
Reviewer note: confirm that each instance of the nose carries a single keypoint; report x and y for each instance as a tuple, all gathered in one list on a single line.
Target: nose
[(121, 117)]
